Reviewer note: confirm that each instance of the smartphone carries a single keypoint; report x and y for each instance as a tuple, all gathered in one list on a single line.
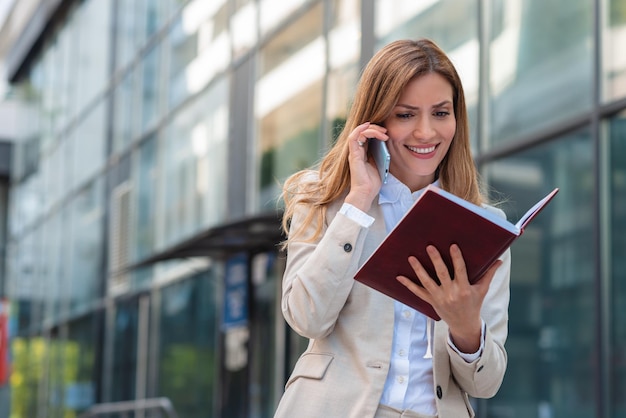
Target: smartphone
[(381, 156)]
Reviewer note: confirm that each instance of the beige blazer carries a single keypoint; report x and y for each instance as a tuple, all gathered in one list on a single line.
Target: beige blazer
[(350, 326)]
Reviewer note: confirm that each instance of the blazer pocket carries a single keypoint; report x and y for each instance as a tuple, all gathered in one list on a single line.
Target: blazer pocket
[(310, 366), (468, 405)]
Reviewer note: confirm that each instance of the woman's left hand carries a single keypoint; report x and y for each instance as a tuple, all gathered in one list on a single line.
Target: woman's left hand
[(456, 301)]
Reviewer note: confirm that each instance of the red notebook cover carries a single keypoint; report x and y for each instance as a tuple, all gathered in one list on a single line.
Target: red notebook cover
[(439, 218)]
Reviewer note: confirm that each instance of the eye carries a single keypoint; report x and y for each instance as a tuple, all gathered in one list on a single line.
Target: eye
[(403, 115), (442, 113)]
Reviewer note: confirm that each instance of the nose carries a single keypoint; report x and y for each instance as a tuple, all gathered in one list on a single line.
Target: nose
[(424, 129)]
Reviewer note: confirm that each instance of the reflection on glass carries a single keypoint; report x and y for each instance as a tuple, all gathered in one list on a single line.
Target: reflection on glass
[(289, 102), (78, 364), (343, 55), (136, 21), (614, 59), (124, 113), (52, 279), (124, 367), (263, 396), (538, 52), (146, 207), (188, 360), (243, 24), (92, 53), (617, 226), (87, 241), (195, 164), (199, 47), (150, 88), (452, 24), (272, 12), (27, 362), (88, 142), (552, 332)]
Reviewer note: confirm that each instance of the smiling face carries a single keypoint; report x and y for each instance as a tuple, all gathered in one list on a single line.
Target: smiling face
[(421, 127)]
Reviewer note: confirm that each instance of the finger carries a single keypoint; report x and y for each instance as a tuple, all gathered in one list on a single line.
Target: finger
[(357, 137), (422, 275), (441, 269), (375, 131), (416, 289), (458, 263)]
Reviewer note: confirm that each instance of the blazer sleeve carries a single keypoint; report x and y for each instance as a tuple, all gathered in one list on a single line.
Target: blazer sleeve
[(483, 377), (319, 275)]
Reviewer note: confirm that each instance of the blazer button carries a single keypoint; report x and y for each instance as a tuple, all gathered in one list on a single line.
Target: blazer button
[(439, 392), (479, 369), (347, 247)]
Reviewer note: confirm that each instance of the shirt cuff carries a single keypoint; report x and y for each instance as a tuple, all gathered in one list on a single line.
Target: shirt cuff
[(469, 358), (357, 215)]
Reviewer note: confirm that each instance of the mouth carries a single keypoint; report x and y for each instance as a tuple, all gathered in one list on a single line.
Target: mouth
[(422, 150)]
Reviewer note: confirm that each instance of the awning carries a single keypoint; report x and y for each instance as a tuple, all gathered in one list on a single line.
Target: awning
[(258, 233)]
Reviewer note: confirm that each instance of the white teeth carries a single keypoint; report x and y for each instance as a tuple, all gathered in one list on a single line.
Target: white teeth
[(421, 150)]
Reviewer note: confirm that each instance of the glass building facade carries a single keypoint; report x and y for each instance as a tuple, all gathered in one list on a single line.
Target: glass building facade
[(141, 256)]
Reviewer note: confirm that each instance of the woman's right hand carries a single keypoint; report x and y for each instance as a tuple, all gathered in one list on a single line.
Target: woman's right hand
[(365, 181)]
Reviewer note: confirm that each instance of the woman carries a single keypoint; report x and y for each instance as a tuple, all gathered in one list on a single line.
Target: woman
[(368, 355)]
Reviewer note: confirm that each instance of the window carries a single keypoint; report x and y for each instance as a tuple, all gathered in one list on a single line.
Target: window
[(613, 59), (288, 104), (541, 62), (617, 268), (188, 345), (344, 51), (552, 321), (199, 48), (195, 153), (87, 246)]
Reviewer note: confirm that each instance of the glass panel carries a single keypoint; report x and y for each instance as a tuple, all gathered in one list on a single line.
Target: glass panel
[(136, 22), (50, 94), (80, 366), (264, 320), (124, 366), (88, 142), (151, 86), (552, 321), (124, 112), (87, 241), (125, 28), (617, 211), (55, 360), (200, 48), (92, 53), (273, 12), (289, 103), (54, 250), (53, 168), (243, 24), (29, 202), (614, 59), (22, 286), (538, 51), (195, 154), (452, 24), (146, 209), (67, 91), (188, 355), (27, 363), (344, 50)]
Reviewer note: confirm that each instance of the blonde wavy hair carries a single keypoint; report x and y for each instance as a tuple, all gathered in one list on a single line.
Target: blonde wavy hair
[(379, 89)]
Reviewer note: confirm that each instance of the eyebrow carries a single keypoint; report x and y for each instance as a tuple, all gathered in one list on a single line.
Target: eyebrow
[(435, 106)]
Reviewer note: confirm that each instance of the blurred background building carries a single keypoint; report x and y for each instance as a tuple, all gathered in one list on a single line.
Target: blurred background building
[(148, 138)]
